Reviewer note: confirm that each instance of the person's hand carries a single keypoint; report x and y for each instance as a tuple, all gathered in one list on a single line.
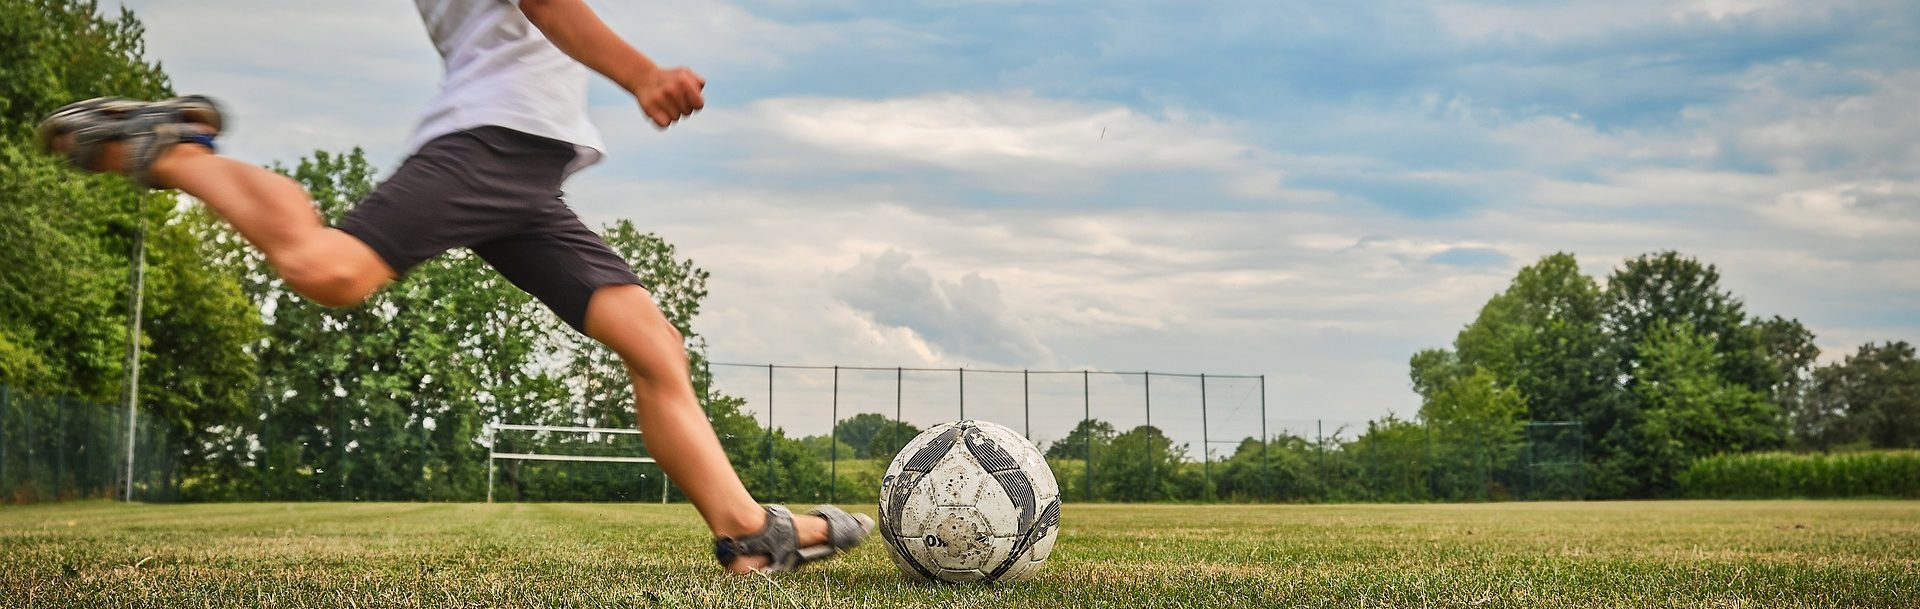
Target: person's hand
[(671, 94)]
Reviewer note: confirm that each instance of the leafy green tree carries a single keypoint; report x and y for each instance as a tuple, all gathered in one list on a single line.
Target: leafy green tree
[(1281, 470), (874, 436), (1542, 338), (70, 238), (1393, 460), (826, 448), (1870, 398), (1477, 424), (1097, 433), (1143, 464), (1687, 410)]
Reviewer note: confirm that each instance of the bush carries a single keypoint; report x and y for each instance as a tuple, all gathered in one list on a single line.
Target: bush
[(1884, 473)]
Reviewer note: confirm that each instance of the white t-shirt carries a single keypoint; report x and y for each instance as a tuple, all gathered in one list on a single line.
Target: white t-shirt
[(501, 71)]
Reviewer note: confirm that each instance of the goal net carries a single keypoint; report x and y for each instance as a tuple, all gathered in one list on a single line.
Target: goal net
[(560, 463)]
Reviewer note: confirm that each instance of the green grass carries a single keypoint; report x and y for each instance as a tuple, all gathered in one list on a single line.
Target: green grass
[(1586, 555)]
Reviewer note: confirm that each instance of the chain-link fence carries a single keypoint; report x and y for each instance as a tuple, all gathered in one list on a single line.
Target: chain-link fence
[(56, 448), (1135, 436), (828, 433)]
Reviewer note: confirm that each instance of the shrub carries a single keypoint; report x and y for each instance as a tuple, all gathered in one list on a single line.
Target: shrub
[(1883, 473)]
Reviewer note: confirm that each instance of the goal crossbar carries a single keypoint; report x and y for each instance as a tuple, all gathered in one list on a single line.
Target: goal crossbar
[(539, 457), (493, 456), (565, 428)]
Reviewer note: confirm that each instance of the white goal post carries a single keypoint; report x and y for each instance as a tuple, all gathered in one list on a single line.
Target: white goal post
[(494, 455)]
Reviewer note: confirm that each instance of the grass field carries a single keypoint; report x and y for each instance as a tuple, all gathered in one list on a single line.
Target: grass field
[(1587, 555)]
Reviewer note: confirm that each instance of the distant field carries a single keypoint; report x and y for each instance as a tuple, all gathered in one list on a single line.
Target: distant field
[(1585, 555)]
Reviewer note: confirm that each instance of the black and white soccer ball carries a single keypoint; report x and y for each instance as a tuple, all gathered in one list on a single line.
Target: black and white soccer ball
[(969, 501)]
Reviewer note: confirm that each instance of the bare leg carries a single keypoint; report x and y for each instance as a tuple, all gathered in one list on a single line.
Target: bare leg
[(676, 430), (274, 214)]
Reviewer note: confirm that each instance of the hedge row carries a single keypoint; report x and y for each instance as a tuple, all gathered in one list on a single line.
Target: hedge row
[(1883, 473)]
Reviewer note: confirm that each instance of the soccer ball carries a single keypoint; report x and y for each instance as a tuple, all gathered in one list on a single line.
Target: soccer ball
[(969, 501)]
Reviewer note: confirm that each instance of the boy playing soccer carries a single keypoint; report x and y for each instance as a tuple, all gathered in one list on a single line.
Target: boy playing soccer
[(508, 125)]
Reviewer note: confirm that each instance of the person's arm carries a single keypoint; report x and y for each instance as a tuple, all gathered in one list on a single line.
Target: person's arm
[(665, 95)]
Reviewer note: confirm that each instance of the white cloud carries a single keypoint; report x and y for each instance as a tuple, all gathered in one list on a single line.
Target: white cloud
[(1009, 141), (1593, 18), (965, 317)]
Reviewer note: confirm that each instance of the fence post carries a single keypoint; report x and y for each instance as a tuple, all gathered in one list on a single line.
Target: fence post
[(1147, 380), (899, 379), (768, 443), (491, 444), (1206, 446), (6, 408), (60, 405), (1086, 425), (1580, 457), (1433, 484), (833, 444), (1265, 466), (1320, 442), (1533, 493), (133, 344), (28, 427)]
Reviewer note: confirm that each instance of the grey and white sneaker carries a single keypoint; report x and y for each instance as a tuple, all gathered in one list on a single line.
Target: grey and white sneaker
[(81, 130), (780, 544)]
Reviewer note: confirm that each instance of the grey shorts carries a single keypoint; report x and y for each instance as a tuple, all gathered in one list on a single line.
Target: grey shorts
[(496, 191)]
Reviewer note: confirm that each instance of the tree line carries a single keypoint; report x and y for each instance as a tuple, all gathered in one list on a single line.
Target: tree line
[(266, 396)]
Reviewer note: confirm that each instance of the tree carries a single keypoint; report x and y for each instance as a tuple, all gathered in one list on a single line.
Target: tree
[(1542, 337), (1871, 398), (1143, 464), (1477, 424), (70, 237), (1674, 288), (825, 448), (1094, 432), (873, 435), (1281, 470), (1539, 344), (1687, 410)]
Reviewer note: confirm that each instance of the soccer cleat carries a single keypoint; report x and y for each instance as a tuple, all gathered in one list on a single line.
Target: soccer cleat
[(780, 543), (147, 130)]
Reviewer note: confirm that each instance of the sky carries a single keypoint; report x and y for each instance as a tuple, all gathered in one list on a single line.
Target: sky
[(1310, 191)]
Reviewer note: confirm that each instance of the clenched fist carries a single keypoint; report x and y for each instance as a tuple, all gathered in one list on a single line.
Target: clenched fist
[(671, 94)]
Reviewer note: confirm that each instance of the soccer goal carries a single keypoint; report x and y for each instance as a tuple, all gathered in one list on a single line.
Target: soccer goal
[(554, 443)]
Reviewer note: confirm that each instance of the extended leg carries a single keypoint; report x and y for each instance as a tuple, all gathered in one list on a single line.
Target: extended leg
[(271, 211), (274, 214), (676, 431)]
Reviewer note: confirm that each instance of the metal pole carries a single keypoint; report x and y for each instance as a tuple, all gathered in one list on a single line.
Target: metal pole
[(1026, 404), (1320, 441), (1265, 468), (769, 440), (60, 405), (6, 408), (28, 411), (1206, 447), (133, 345), (663, 486), (898, 424), (490, 447), (1086, 426), (1147, 379), (963, 394), (833, 443), (1532, 494), (1433, 484)]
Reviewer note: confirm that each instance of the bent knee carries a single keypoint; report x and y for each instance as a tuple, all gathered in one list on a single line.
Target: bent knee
[(327, 280)]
